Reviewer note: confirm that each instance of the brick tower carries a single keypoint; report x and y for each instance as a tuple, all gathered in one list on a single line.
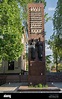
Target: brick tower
[(36, 43)]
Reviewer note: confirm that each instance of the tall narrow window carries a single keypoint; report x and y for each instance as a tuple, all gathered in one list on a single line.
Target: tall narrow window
[(11, 65)]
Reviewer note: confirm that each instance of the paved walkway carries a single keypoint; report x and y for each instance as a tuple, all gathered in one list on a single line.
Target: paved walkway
[(11, 87), (58, 84), (14, 87)]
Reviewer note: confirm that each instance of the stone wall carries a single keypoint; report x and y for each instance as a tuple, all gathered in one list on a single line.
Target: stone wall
[(54, 77), (2, 79), (50, 77), (13, 78)]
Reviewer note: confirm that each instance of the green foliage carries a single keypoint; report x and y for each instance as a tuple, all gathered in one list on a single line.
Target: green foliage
[(48, 61), (31, 86), (47, 18), (24, 5), (52, 67), (11, 29), (57, 23), (39, 86), (12, 14), (55, 41), (27, 67), (60, 67)]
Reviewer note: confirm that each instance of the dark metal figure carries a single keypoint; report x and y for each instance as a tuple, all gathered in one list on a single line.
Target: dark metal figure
[(39, 46), (33, 54)]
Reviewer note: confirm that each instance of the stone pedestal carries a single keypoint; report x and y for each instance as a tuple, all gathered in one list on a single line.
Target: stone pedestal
[(37, 67)]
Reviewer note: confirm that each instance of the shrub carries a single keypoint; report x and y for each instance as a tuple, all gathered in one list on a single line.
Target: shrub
[(40, 85)]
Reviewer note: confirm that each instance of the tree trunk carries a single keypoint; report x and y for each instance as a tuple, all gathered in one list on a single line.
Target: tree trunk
[(56, 62)]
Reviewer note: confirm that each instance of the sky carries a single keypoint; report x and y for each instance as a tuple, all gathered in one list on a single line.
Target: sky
[(50, 8)]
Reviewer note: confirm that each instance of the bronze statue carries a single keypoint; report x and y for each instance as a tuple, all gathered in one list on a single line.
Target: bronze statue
[(39, 46), (33, 54)]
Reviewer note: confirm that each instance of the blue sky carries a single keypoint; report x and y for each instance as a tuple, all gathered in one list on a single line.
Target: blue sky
[(50, 8)]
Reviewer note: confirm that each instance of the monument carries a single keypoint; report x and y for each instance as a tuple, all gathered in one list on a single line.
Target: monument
[(36, 41)]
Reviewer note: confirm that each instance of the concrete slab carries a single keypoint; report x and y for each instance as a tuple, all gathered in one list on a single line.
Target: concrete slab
[(51, 87), (11, 87), (7, 88), (26, 88), (11, 84), (58, 84)]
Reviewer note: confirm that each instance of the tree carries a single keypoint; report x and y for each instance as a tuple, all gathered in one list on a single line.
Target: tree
[(57, 23), (12, 14), (11, 46), (55, 41), (60, 67), (48, 61)]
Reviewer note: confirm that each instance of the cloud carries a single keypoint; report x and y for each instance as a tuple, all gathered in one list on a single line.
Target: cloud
[(48, 51), (52, 27), (51, 8)]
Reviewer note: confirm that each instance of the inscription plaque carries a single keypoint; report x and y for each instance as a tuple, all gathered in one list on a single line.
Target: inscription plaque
[(35, 19)]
